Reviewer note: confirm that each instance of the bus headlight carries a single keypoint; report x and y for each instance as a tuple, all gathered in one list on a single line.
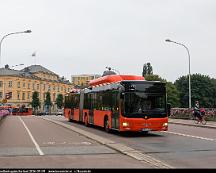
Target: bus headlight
[(125, 124), (165, 124)]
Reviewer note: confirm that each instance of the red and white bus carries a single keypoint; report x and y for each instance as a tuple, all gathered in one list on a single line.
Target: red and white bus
[(120, 102)]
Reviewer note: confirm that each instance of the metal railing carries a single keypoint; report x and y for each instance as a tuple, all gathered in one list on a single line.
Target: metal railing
[(186, 113)]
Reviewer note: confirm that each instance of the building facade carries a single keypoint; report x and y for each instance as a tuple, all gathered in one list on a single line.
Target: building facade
[(81, 81), (17, 86)]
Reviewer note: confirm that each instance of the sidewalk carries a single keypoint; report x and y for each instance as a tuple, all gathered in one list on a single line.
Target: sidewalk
[(209, 124)]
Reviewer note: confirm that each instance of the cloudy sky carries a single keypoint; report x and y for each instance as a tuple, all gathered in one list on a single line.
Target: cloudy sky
[(73, 37)]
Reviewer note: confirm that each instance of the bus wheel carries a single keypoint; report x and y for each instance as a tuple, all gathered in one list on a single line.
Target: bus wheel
[(86, 121), (106, 125)]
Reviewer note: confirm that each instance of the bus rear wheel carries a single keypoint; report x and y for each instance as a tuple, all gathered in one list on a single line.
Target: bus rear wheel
[(106, 125)]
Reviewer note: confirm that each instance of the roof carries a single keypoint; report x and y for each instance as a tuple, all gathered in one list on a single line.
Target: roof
[(29, 73), (37, 68), (114, 78), (8, 71)]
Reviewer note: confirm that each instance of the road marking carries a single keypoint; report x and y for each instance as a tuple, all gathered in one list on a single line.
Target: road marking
[(32, 138), (116, 146), (191, 136)]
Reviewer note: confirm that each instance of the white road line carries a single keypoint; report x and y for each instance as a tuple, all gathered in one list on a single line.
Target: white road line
[(191, 136), (32, 138)]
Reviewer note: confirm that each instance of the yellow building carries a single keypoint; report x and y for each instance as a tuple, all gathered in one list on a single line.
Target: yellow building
[(81, 81), (19, 85)]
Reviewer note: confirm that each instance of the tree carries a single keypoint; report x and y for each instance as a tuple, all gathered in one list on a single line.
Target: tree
[(154, 77), (202, 89), (147, 69), (172, 95), (47, 101), (35, 101), (59, 101)]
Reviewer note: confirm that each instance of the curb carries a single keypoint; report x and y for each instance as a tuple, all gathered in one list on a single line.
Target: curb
[(195, 125), (116, 146)]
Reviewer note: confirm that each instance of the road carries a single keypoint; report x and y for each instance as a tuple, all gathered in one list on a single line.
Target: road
[(180, 147), (36, 142), (32, 142)]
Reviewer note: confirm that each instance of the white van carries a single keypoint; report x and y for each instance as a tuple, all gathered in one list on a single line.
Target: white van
[(59, 112)]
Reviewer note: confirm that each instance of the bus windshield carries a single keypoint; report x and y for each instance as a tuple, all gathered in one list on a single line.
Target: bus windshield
[(139, 104)]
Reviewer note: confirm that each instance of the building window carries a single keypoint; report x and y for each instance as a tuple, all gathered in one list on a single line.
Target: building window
[(28, 97), (23, 84), (0, 94), (18, 84), (33, 86), (44, 88), (18, 95), (1, 83), (28, 85), (10, 84), (38, 87), (23, 96)]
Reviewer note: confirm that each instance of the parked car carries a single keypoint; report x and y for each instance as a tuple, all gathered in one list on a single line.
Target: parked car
[(59, 112)]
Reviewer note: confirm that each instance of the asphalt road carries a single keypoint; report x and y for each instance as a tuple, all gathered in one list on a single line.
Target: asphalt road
[(180, 147), (62, 144), (32, 142)]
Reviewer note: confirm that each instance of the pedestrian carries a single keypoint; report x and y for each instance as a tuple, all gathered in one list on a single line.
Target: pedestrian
[(197, 112)]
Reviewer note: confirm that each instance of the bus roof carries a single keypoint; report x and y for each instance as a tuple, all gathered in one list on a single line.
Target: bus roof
[(114, 78)]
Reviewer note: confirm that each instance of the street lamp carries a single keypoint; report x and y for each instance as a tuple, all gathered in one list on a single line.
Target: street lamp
[(21, 32), (189, 76)]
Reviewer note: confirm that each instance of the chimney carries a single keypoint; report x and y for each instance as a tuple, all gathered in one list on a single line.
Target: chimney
[(7, 66)]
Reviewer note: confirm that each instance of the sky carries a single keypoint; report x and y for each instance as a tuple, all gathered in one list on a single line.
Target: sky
[(72, 37)]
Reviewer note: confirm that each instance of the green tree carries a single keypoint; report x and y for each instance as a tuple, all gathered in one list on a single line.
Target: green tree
[(59, 101), (214, 93), (35, 101), (202, 89), (47, 102), (147, 69), (154, 77), (172, 95)]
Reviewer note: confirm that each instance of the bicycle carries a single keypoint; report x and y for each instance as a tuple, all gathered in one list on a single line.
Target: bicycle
[(200, 119)]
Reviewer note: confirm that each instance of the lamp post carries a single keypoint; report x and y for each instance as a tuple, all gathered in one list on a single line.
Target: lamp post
[(189, 76), (21, 32)]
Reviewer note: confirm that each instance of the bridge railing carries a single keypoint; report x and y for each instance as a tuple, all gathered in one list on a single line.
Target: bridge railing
[(186, 113)]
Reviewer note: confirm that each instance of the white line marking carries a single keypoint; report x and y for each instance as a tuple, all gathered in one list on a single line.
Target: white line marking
[(197, 137), (32, 138)]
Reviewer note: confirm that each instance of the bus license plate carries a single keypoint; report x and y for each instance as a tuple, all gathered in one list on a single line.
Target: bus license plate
[(145, 130)]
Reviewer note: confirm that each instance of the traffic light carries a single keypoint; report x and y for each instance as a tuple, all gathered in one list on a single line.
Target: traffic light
[(8, 95)]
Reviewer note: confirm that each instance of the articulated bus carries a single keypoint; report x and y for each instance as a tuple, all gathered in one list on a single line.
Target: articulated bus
[(120, 102)]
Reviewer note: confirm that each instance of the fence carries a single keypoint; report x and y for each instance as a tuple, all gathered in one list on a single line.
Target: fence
[(186, 113)]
